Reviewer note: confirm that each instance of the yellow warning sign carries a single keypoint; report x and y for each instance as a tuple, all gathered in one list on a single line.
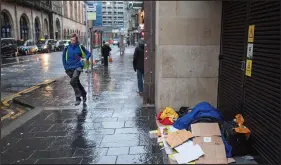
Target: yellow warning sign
[(249, 68), (251, 33)]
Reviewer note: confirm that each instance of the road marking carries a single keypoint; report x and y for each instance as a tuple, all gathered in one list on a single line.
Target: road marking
[(5, 102), (20, 112)]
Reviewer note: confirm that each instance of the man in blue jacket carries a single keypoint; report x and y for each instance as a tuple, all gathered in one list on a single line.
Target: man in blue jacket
[(74, 58)]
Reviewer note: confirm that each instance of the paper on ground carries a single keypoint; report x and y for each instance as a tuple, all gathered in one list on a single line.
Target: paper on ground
[(173, 129), (185, 146), (166, 146), (189, 154)]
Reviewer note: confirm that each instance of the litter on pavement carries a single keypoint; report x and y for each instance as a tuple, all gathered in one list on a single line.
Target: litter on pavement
[(200, 135)]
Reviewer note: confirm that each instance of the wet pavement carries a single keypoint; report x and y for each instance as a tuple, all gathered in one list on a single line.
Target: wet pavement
[(112, 129), (22, 72)]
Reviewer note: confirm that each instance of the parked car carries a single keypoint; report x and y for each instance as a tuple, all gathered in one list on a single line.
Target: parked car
[(66, 42), (115, 42), (8, 47), (53, 45), (27, 47), (60, 44), (45, 45)]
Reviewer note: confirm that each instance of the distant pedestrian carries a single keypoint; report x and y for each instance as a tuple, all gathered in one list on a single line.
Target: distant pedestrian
[(128, 42), (138, 64), (105, 53), (74, 58)]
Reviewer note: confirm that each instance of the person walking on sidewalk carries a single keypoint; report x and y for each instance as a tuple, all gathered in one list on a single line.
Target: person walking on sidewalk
[(73, 59), (105, 53), (128, 42), (138, 64)]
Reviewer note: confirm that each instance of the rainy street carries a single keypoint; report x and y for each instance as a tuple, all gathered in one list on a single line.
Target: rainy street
[(23, 72), (112, 129)]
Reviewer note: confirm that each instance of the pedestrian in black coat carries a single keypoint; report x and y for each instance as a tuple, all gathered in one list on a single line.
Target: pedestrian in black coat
[(105, 53), (138, 64)]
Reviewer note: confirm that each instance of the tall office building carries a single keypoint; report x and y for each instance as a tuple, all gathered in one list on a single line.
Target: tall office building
[(113, 14)]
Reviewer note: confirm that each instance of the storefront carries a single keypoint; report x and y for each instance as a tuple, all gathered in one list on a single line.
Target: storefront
[(249, 78)]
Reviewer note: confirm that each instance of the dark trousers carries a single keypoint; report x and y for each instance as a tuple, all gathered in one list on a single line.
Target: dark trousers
[(140, 79), (79, 90), (105, 60)]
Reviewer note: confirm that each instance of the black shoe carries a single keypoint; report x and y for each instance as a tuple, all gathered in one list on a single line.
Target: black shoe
[(78, 101)]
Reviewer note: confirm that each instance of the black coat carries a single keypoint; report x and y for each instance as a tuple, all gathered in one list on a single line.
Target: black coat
[(105, 50), (138, 61)]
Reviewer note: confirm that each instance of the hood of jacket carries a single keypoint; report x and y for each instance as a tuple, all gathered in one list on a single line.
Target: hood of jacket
[(141, 45)]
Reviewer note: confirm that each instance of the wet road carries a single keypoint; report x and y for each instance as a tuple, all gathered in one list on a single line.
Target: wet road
[(112, 129), (23, 72)]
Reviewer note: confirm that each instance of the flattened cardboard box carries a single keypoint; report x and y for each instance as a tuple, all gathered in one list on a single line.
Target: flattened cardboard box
[(207, 135), (205, 129), (177, 138)]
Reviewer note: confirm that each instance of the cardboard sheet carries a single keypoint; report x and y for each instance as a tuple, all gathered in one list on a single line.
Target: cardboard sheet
[(208, 137), (214, 151), (205, 129), (177, 138)]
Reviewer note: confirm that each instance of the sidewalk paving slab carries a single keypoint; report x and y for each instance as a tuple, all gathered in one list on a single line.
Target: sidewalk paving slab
[(113, 128)]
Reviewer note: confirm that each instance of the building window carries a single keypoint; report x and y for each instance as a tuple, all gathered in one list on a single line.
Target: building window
[(37, 29), (75, 11), (23, 27), (65, 7), (79, 12), (71, 9), (5, 25)]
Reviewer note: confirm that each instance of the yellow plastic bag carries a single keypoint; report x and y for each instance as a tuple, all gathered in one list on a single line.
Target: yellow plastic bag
[(170, 113)]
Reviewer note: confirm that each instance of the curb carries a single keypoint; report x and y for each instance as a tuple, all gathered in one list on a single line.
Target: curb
[(6, 101)]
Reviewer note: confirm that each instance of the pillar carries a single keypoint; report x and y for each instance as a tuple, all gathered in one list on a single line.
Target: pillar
[(187, 50)]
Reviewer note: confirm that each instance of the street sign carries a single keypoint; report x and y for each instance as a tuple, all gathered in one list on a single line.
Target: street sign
[(251, 33), (91, 16), (91, 9), (130, 5), (250, 50), (249, 68)]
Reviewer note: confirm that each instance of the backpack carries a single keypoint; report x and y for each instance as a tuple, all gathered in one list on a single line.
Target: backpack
[(86, 65), (239, 142)]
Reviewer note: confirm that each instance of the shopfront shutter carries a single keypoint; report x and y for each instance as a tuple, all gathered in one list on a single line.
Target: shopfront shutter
[(262, 89), (233, 47)]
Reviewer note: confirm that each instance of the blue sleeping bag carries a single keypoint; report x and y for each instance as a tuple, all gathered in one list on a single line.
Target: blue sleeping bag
[(203, 109)]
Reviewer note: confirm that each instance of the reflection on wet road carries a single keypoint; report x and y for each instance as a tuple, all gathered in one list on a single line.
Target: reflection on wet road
[(112, 129), (23, 72)]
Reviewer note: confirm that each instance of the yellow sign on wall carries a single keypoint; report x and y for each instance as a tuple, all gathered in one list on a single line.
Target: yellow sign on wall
[(249, 68), (251, 33)]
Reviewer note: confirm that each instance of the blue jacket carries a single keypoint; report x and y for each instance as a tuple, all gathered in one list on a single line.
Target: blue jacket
[(74, 56), (202, 109)]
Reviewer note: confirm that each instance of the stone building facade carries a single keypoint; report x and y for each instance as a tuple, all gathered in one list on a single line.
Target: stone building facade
[(42, 19)]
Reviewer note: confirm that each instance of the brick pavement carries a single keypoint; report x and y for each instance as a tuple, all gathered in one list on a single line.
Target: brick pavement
[(112, 129)]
